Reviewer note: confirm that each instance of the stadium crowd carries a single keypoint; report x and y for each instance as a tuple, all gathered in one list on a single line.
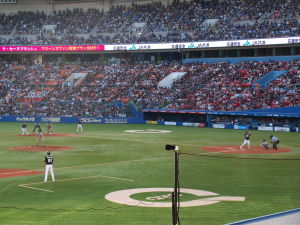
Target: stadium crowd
[(107, 89), (180, 21)]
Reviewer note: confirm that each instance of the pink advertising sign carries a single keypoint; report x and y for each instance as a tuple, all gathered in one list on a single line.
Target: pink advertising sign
[(52, 48)]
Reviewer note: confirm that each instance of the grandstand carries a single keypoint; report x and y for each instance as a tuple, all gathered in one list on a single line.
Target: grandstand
[(147, 23), (232, 64), (108, 88)]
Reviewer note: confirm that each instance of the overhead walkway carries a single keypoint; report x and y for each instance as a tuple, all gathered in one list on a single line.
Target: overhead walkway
[(74, 80), (170, 79), (269, 77)]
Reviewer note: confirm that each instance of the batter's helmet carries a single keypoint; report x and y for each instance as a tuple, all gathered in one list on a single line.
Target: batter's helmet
[(48, 153)]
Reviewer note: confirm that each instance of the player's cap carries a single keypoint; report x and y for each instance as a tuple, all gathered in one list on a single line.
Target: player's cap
[(48, 153)]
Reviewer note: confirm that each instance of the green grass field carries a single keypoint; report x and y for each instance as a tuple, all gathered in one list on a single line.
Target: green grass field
[(105, 159)]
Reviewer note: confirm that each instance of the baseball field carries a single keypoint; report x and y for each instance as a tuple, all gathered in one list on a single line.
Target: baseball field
[(122, 174)]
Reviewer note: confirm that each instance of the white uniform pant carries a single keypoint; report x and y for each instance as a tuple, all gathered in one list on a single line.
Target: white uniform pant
[(246, 142), (79, 127), (49, 168), (24, 131)]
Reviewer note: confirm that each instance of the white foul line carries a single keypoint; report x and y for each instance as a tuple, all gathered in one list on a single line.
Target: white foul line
[(39, 189), (110, 163), (76, 178), (99, 164)]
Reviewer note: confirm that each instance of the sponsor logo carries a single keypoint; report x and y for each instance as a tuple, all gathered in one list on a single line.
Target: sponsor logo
[(50, 120), (170, 123), (91, 120), (193, 124), (215, 125), (151, 122), (284, 129), (265, 128), (294, 40), (148, 131), (192, 45), (241, 127), (115, 121), (25, 119), (247, 43), (132, 47), (201, 197)]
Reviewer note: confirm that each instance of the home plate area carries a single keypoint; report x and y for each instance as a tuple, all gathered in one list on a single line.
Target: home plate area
[(235, 149)]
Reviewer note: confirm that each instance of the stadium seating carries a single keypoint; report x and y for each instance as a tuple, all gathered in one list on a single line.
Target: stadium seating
[(106, 90), (155, 22)]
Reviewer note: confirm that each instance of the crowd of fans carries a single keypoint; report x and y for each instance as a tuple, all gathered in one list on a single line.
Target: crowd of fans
[(179, 21), (34, 89), (229, 87), (253, 122)]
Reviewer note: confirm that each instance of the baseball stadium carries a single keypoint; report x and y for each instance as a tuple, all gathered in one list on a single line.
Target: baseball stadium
[(144, 112)]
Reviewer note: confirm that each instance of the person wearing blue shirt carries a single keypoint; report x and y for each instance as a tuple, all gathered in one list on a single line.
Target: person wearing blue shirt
[(274, 142)]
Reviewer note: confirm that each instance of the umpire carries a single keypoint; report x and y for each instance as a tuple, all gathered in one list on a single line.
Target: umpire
[(49, 166), (274, 141)]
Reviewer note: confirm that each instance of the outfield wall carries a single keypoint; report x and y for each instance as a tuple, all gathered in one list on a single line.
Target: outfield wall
[(285, 119), (177, 118), (58, 119)]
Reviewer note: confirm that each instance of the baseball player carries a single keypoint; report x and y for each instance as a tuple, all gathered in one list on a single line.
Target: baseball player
[(274, 142), (49, 166), (36, 127), (247, 136), (24, 129), (39, 137), (265, 145), (79, 126), (49, 128)]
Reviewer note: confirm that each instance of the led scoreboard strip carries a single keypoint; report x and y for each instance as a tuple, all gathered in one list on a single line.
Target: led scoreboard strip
[(156, 46)]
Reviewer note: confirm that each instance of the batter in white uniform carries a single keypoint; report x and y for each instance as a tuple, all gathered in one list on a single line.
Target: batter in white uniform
[(247, 136)]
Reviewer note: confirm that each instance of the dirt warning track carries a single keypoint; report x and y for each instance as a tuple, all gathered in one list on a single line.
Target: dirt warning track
[(17, 172), (51, 135), (40, 148), (235, 149)]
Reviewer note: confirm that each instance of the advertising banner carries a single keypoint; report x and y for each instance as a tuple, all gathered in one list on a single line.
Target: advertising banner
[(52, 48), (89, 120), (284, 129), (170, 123), (204, 44), (155, 46), (221, 126), (151, 122), (265, 128), (193, 124), (241, 127)]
